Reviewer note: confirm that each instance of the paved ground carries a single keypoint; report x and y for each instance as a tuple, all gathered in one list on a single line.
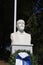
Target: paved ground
[(3, 63)]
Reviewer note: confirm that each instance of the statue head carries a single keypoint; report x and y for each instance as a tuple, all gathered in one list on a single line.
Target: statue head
[(20, 25)]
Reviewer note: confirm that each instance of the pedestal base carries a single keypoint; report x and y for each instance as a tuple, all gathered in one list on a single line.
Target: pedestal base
[(22, 47)]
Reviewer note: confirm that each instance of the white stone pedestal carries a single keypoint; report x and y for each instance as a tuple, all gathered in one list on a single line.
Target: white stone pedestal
[(22, 47)]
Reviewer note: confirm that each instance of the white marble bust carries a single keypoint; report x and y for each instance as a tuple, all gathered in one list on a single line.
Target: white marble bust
[(20, 37)]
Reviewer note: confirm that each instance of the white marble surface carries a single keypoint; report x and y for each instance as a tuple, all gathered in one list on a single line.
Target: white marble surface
[(20, 38), (22, 47)]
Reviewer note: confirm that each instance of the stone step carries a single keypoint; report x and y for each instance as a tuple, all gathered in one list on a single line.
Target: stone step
[(3, 63)]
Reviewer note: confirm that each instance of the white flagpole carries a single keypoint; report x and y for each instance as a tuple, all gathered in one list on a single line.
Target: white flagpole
[(15, 11)]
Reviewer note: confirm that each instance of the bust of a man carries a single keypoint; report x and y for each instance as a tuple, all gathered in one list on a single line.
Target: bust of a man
[(20, 37)]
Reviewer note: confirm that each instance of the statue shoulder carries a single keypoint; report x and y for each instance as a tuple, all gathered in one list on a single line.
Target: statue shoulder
[(12, 35), (28, 35)]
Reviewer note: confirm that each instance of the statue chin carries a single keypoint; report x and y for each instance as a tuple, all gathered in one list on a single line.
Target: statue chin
[(21, 30)]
